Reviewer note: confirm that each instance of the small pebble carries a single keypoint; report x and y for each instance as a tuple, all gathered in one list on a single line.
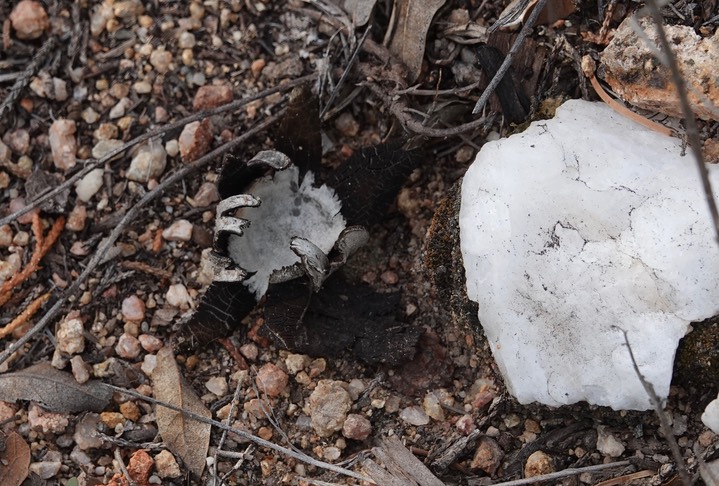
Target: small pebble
[(607, 444), (18, 141), (5, 235), (104, 147), (86, 435), (150, 343), (112, 419), (149, 163), (47, 422), (212, 96), (142, 87), (487, 456), (186, 40), (130, 411), (271, 380), (432, 407), (172, 147), (195, 140), (217, 385), (46, 469), (465, 424), (356, 427), (414, 415), (89, 185), (166, 465), (206, 195), (389, 277), (179, 230), (29, 20), (70, 335), (120, 108), (63, 144), (106, 131), (149, 363), (161, 60), (128, 347), (133, 308), (538, 463), (297, 362), (249, 351), (329, 404), (90, 116), (178, 296), (79, 369)]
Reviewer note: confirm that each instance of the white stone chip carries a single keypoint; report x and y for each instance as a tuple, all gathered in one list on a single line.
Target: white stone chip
[(710, 417), (578, 227), (89, 185)]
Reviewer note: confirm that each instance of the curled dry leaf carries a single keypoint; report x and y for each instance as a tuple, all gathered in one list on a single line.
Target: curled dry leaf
[(185, 437), (54, 390), (14, 460), (358, 10), (410, 35)]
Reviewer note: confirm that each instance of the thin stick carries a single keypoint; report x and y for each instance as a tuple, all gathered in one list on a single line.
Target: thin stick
[(24, 316), (346, 72), (564, 473), (42, 246), (27, 74), (93, 164), (508, 60), (661, 414), (691, 124), (233, 407), (123, 469), (300, 456), (130, 216)]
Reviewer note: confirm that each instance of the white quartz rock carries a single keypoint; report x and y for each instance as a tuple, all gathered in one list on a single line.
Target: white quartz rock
[(578, 227), (710, 417)]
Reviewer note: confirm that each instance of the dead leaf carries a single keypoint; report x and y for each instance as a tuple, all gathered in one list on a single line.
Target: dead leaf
[(15, 463), (185, 437), (410, 35), (54, 390), (358, 10)]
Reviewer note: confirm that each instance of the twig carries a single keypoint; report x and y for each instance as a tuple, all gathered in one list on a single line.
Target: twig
[(233, 406), (25, 315), (399, 111), (346, 72), (691, 124), (663, 422), (27, 74), (130, 216), (42, 246), (93, 164), (564, 473), (145, 268), (121, 464), (300, 456), (508, 60)]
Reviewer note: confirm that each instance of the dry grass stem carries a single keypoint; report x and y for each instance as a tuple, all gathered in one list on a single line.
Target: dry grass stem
[(42, 246), (25, 315)]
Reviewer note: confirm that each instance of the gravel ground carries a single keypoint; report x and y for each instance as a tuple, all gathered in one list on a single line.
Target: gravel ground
[(122, 69)]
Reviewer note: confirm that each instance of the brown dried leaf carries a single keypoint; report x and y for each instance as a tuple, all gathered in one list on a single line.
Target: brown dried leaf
[(54, 390), (410, 35), (15, 463), (184, 436)]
